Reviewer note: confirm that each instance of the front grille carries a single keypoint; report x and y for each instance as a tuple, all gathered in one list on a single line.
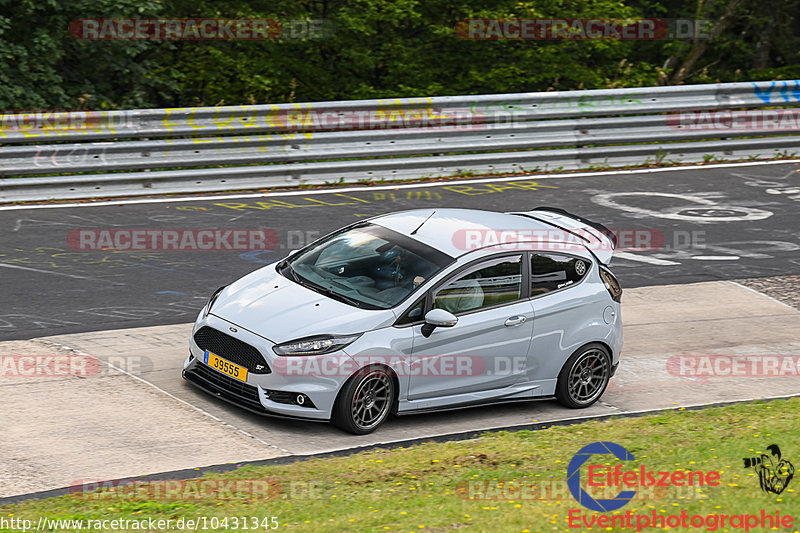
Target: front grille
[(232, 389), (232, 349)]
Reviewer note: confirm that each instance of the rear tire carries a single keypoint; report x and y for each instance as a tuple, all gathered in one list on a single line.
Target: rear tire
[(365, 401), (584, 377)]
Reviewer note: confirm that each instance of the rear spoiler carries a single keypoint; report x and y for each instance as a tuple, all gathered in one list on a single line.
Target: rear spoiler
[(595, 236)]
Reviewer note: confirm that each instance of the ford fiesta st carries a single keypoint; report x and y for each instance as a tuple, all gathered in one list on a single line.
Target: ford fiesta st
[(417, 311)]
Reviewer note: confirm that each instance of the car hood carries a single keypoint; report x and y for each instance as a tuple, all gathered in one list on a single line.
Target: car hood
[(280, 310)]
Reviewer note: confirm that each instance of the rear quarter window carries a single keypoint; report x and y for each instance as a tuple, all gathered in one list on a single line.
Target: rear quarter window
[(553, 272)]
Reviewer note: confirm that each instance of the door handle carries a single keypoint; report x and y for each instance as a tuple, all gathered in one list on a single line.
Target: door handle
[(515, 321)]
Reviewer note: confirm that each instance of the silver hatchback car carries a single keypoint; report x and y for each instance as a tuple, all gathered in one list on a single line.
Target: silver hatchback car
[(417, 311)]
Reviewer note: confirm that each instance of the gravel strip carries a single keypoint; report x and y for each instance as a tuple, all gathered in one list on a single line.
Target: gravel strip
[(785, 289)]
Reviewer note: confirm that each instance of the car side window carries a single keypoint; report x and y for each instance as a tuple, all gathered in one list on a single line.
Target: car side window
[(415, 313), (495, 282), (551, 272)]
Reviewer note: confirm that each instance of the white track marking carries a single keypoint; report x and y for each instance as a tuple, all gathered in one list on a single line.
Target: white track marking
[(643, 259), (609, 199), (335, 190), (716, 257)]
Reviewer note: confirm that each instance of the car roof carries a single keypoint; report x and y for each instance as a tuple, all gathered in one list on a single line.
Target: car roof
[(444, 229)]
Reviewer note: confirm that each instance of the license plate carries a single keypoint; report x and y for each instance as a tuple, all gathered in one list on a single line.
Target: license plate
[(226, 367)]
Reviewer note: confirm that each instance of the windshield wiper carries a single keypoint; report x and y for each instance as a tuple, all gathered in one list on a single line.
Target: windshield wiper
[(294, 276)]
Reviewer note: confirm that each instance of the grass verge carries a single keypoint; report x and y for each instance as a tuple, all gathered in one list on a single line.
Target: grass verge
[(498, 482)]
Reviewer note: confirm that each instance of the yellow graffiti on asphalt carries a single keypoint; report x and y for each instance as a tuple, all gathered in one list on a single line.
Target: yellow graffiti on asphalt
[(491, 188), (388, 196)]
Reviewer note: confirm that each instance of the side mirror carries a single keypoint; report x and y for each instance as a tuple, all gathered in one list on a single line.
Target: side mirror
[(438, 318)]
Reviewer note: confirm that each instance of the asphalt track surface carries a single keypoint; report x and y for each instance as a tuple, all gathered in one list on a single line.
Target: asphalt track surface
[(705, 224)]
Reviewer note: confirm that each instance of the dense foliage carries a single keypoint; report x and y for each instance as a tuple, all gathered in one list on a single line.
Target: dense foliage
[(376, 48)]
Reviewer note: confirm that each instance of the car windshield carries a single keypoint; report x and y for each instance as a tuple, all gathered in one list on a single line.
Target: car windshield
[(366, 266)]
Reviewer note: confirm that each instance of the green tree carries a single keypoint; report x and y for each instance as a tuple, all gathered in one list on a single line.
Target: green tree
[(43, 66), (377, 49)]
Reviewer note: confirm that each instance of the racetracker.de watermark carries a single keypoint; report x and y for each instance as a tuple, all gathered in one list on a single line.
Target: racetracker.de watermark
[(727, 120), (451, 119), (565, 29), (555, 239), (556, 490), (48, 366), (34, 366), (177, 489), (423, 366), (172, 239), (726, 366), (55, 122), (198, 29)]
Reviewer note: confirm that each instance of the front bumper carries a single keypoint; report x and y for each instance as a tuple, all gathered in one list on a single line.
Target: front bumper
[(232, 391), (254, 394)]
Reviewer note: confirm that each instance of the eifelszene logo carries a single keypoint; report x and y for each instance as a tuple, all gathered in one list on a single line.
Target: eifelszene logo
[(774, 472), (574, 477), (613, 478)]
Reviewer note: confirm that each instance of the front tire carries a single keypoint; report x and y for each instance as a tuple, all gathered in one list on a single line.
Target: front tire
[(584, 377), (365, 401)]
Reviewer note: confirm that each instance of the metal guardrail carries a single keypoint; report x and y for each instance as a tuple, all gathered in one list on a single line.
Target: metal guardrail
[(84, 154)]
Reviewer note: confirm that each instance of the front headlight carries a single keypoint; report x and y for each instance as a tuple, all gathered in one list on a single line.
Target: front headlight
[(318, 345), (207, 308)]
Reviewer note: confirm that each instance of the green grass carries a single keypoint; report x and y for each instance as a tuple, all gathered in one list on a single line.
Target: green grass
[(427, 487)]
